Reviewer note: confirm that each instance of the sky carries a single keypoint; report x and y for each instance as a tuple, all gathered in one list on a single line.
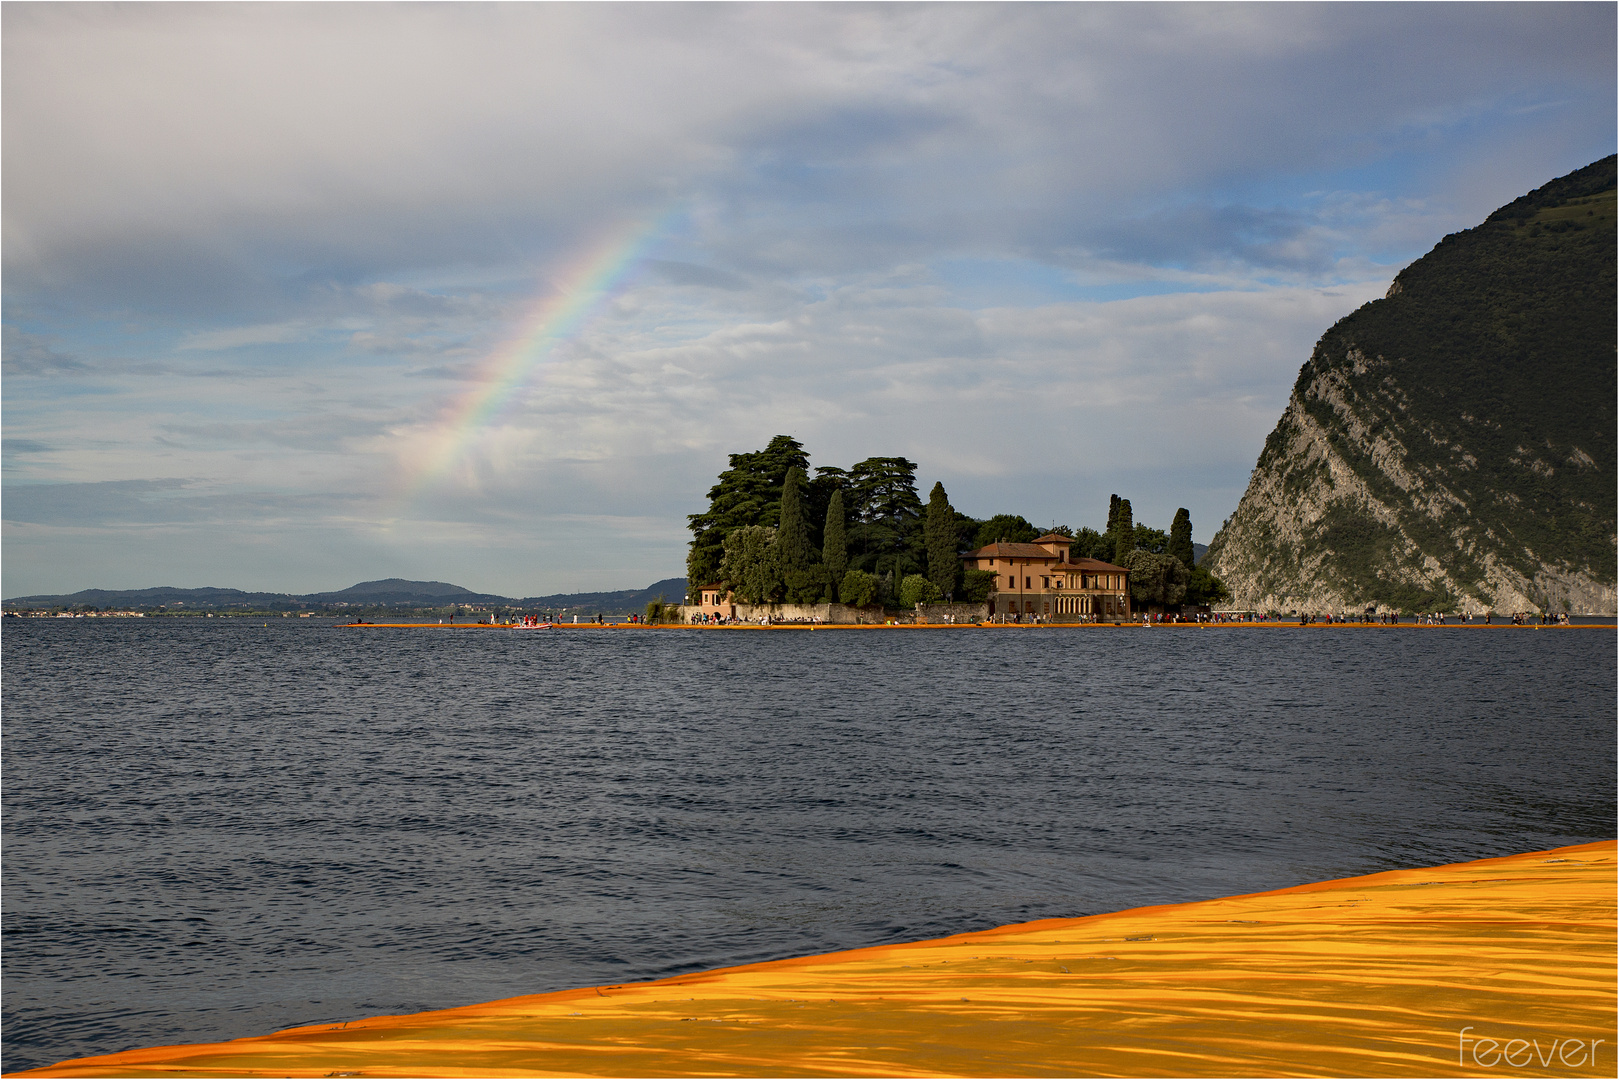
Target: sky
[(297, 296)]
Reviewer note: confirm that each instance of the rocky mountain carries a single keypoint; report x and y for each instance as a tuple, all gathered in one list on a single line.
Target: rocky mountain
[(1453, 444)]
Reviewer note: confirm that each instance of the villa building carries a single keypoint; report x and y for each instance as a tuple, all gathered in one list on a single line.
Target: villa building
[(1040, 579)]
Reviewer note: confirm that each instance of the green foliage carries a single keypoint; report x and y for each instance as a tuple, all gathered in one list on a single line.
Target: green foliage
[(1124, 533), (1203, 588), (805, 585), (1010, 528), (835, 548), (859, 589), (939, 535), (916, 589), (657, 611), (1153, 540), (882, 500), (1180, 538), (966, 530), (818, 500), (750, 565), (1090, 544), (748, 493), (1489, 369), (979, 585), (1156, 578), (793, 550)]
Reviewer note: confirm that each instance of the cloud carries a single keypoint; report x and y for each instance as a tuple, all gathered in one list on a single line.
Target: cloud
[(31, 355), (1047, 251), (238, 336), (823, 138)]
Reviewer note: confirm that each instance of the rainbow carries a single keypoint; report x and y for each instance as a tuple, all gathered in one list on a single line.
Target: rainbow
[(576, 294)]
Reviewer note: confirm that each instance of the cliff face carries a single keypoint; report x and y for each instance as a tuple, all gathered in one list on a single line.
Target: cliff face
[(1454, 442)]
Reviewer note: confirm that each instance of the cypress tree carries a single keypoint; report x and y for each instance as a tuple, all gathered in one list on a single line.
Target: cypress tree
[(835, 550), (792, 534), (1180, 538), (1124, 532), (939, 536)]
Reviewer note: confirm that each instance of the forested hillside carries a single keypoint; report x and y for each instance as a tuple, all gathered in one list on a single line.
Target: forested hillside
[(1453, 444)]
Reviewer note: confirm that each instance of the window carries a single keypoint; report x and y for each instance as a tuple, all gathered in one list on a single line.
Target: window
[(1028, 583), (1011, 582)]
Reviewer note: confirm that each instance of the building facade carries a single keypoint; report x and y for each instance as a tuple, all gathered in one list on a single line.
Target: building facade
[(717, 603), (1041, 580)]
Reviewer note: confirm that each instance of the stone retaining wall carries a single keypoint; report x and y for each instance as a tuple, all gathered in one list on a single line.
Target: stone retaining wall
[(947, 613), (834, 614)]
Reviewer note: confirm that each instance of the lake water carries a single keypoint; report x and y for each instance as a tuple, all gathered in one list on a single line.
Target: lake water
[(215, 828)]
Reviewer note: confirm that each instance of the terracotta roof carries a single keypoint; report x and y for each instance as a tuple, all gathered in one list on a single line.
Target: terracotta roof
[(1098, 564), (1053, 538), (1011, 551)]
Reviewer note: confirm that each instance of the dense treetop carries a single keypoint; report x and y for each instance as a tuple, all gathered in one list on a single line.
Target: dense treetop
[(862, 535)]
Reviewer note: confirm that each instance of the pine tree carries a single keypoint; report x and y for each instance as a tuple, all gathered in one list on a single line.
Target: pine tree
[(1180, 538), (939, 535), (1124, 532), (835, 549), (886, 515), (748, 493)]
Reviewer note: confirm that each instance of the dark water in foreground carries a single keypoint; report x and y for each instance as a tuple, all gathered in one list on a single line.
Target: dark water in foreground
[(215, 828)]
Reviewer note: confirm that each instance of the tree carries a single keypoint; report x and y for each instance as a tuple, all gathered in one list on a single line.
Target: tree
[(1203, 587), (792, 533), (1180, 538), (818, 497), (979, 585), (967, 528), (939, 533), (1124, 533), (916, 589), (748, 493), (858, 588), (888, 514), (1156, 578), (1008, 527), (1090, 544), (835, 549), (750, 564), (1150, 539)]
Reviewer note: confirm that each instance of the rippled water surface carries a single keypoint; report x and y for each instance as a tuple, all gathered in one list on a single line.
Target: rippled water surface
[(215, 828)]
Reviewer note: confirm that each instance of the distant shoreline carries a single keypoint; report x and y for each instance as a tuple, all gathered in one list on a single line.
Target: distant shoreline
[(1294, 625)]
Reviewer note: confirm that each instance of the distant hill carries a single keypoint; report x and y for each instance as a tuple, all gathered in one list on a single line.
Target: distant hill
[(395, 593), (399, 591), (672, 590), (1453, 444)]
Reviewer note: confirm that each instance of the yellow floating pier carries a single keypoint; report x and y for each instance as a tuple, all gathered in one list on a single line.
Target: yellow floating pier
[(1499, 967)]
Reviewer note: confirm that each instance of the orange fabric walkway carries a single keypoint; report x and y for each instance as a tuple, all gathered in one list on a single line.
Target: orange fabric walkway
[(1428, 972)]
